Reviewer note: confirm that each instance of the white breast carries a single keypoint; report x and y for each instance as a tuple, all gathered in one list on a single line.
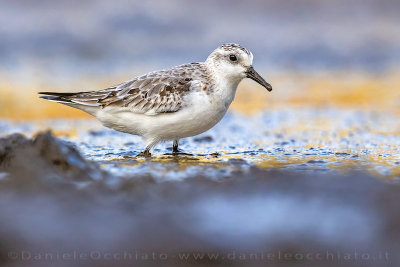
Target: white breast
[(200, 113)]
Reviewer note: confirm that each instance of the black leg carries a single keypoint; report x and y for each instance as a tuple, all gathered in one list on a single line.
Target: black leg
[(175, 147)]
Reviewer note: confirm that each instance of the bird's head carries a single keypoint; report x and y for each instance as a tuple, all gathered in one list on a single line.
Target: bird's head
[(235, 63)]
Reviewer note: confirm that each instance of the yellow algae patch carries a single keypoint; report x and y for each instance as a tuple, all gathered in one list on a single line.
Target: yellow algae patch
[(251, 98), (176, 163), (170, 162), (333, 89), (19, 103), (20, 100), (280, 161), (67, 133), (291, 90), (188, 160), (375, 164), (272, 162)]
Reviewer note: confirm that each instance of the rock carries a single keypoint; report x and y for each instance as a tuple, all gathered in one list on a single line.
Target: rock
[(45, 157)]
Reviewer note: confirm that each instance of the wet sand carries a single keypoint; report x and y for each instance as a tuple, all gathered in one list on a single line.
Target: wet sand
[(309, 174), (53, 200), (313, 139)]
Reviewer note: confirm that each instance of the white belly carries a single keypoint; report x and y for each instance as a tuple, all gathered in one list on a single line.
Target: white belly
[(200, 113)]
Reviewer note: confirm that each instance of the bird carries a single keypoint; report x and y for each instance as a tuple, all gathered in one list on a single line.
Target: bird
[(170, 104)]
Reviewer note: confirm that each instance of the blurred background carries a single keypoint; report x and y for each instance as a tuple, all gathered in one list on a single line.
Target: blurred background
[(89, 45), (312, 167)]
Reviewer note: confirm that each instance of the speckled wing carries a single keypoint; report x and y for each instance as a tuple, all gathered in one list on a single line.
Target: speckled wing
[(153, 93)]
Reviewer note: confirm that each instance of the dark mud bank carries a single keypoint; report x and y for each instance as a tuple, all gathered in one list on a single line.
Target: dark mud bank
[(45, 158), (52, 200)]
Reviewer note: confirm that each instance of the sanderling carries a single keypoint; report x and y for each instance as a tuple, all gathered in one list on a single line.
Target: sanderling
[(171, 104)]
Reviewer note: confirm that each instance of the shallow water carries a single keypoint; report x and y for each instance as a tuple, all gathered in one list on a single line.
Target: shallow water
[(319, 140), (293, 181)]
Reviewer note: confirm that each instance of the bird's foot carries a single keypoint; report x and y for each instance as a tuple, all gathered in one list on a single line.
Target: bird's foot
[(144, 154), (175, 150)]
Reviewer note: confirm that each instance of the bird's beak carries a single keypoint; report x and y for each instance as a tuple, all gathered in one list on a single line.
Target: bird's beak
[(252, 74)]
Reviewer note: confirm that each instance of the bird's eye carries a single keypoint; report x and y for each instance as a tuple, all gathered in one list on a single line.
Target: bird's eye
[(232, 57)]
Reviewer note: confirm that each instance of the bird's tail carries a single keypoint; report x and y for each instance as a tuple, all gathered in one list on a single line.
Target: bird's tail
[(57, 97), (76, 100)]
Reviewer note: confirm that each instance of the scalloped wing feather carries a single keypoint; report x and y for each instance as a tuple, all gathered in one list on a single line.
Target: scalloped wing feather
[(150, 94)]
